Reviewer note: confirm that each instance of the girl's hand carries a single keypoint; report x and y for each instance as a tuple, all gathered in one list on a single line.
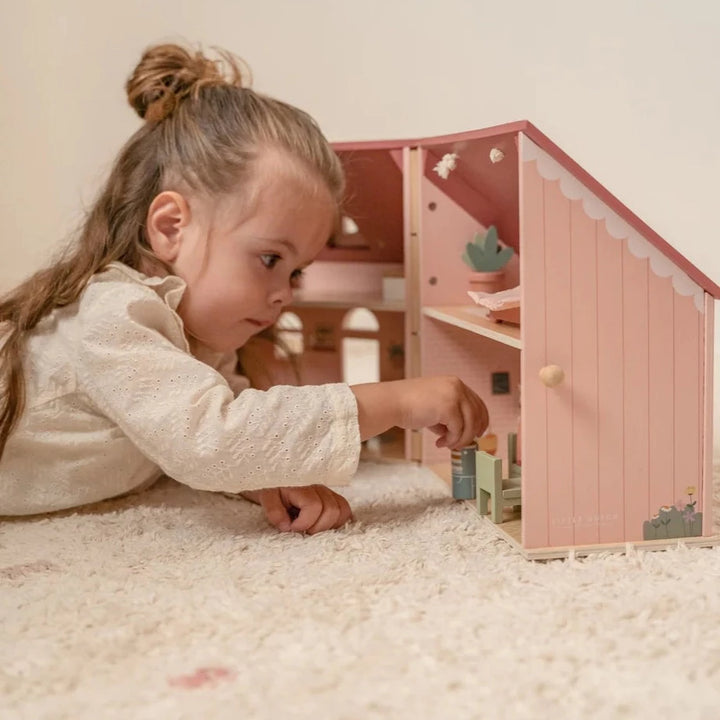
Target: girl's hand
[(309, 509), (444, 405)]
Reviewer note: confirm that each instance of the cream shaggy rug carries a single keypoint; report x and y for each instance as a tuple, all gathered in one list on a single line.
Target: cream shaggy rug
[(181, 604)]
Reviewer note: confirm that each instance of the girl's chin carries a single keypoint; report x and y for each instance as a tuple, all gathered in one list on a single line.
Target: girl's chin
[(218, 345)]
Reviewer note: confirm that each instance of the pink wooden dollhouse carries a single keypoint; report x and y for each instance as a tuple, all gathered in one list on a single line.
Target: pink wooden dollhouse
[(619, 450)]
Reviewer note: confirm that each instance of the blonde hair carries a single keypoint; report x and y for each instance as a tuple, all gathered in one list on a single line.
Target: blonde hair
[(203, 127)]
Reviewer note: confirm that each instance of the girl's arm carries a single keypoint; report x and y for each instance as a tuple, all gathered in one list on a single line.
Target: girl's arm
[(444, 405)]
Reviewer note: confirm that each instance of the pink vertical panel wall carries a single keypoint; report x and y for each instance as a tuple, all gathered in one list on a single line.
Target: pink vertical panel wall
[(584, 309), (708, 398), (689, 378), (636, 359), (611, 390), (535, 515), (625, 432), (559, 336), (661, 396)]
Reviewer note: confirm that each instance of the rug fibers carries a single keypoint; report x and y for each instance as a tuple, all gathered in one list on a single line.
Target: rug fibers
[(181, 604)]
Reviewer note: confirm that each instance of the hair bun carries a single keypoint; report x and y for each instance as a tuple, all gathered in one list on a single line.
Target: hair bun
[(167, 74)]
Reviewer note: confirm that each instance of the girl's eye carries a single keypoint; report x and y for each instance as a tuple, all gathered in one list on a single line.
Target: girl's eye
[(296, 278), (269, 260)]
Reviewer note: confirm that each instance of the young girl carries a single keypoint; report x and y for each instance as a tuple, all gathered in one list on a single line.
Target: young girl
[(117, 362)]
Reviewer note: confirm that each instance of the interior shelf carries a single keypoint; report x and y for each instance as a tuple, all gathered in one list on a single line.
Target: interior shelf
[(475, 320), (347, 300)]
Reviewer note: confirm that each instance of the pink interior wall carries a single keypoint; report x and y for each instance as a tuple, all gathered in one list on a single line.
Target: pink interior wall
[(624, 433), (445, 230), (486, 190), (324, 278), (374, 200), (448, 350), (446, 227)]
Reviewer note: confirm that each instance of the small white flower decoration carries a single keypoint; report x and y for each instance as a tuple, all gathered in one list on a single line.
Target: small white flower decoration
[(448, 163), (349, 226), (496, 155)]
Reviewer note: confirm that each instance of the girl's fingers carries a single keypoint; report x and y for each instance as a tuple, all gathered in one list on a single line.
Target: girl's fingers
[(441, 431), (469, 429), (308, 502), (275, 509), (330, 512)]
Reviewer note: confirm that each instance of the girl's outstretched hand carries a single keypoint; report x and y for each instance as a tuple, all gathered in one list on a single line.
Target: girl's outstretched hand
[(309, 509), (444, 405)]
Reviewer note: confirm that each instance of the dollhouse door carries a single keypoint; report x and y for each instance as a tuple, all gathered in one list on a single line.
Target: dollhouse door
[(613, 370)]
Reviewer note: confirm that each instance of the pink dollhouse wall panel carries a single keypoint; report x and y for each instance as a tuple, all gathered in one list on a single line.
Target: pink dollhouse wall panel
[(584, 349), (610, 407), (708, 484), (661, 400), (624, 433), (535, 486)]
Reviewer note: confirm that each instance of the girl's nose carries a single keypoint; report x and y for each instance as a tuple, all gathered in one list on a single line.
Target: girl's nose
[(282, 296)]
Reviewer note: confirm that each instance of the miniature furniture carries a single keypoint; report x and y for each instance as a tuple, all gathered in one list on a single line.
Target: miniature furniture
[(614, 351), (492, 488)]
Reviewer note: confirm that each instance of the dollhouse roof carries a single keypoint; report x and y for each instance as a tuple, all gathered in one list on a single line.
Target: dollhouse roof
[(470, 179)]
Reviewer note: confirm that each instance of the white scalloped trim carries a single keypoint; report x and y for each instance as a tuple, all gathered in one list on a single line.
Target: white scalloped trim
[(596, 209)]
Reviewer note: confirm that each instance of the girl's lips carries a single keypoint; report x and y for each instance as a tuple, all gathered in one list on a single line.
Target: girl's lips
[(259, 323)]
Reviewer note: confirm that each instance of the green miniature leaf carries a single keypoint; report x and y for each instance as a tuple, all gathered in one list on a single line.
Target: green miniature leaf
[(490, 244), (498, 260), (476, 255)]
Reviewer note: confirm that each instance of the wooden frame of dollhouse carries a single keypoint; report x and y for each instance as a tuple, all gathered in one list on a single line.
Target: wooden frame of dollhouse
[(624, 443)]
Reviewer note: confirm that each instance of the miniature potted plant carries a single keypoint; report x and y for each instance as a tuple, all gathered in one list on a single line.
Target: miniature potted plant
[(488, 260)]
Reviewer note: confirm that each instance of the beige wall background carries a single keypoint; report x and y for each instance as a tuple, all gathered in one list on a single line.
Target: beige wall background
[(629, 88)]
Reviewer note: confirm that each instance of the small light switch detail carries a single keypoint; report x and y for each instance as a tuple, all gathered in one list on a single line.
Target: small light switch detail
[(500, 383)]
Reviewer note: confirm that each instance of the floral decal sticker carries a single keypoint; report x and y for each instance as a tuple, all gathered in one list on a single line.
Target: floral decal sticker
[(675, 521)]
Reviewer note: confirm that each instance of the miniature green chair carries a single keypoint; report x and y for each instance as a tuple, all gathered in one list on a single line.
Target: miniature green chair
[(492, 487)]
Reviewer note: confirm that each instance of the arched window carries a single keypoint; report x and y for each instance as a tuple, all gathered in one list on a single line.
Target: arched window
[(361, 319), (289, 329)]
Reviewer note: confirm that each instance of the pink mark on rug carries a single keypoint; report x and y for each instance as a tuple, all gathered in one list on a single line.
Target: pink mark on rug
[(202, 677), (13, 572)]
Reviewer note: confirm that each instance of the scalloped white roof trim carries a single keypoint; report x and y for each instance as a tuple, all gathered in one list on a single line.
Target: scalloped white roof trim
[(596, 209)]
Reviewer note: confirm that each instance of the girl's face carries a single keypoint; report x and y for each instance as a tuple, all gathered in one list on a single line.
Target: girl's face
[(241, 261)]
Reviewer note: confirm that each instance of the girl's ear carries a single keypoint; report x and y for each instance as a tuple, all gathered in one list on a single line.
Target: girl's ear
[(167, 215)]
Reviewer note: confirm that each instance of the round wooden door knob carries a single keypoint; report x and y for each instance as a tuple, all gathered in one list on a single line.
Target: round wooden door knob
[(552, 375)]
